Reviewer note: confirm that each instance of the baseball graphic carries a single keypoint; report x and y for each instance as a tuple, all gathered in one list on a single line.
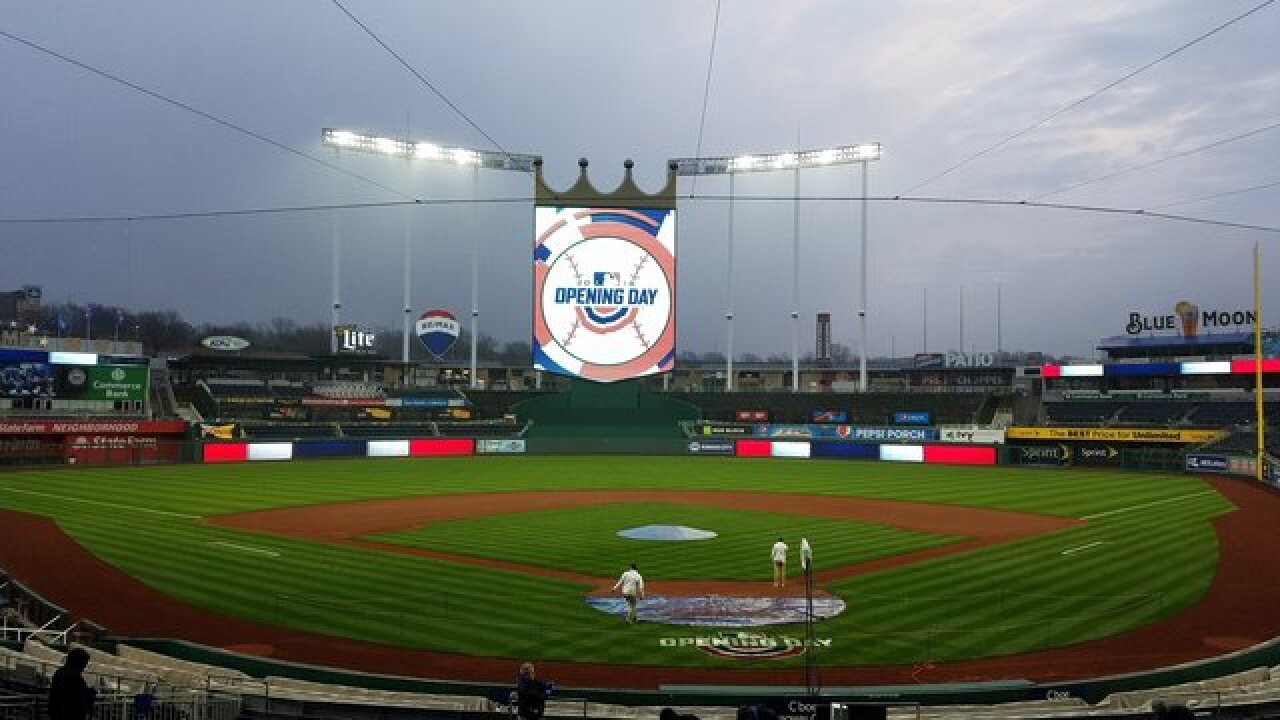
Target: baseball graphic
[(603, 292)]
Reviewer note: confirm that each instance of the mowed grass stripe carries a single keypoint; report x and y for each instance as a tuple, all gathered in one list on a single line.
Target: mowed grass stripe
[(585, 540), (393, 598)]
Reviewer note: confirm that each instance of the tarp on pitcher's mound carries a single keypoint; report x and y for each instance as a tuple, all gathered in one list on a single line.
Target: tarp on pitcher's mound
[(721, 610)]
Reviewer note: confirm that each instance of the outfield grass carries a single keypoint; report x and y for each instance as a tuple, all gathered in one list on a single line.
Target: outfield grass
[(585, 540), (1002, 599)]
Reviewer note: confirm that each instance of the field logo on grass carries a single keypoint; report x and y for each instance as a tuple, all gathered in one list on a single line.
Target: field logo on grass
[(744, 645)]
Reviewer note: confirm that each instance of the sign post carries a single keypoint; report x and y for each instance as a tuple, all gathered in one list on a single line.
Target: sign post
[(812, 681)]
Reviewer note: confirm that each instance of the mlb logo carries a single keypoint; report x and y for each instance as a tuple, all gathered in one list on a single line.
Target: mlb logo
[(612, 277)]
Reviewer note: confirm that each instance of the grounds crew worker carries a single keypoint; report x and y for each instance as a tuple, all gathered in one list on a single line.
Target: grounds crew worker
[(632, 590)]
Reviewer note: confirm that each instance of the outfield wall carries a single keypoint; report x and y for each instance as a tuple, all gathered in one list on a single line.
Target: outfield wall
[(927, 453)]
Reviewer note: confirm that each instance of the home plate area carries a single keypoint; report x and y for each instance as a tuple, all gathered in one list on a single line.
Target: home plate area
[(722, 610)]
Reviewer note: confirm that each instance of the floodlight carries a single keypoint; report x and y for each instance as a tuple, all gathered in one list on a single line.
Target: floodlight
[(345, 139), (860, 154), (841, 155)]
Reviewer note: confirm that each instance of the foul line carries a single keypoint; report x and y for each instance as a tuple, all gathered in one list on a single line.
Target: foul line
[(1083, 547), (103, 503), (245, 548), (1153, 503)]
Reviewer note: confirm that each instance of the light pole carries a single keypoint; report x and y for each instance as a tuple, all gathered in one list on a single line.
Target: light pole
[(795, 161), (422, 150), (728, 313)]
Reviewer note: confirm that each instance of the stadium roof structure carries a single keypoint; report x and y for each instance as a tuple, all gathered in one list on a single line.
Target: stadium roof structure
[(1125, 342)]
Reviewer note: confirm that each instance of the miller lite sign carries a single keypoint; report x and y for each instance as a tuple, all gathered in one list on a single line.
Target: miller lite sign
[(604, 292), (353, 339), (437, 330)]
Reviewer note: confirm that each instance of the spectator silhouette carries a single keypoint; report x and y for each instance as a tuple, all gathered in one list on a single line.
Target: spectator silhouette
[(70, 698), (531, 693), (1163, 710), (756, 712)]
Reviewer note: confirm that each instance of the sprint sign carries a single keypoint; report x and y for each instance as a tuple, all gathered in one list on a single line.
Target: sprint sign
[(604, 292)]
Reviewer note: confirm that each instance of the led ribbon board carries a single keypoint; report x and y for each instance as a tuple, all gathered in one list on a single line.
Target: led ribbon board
[(604, 283)]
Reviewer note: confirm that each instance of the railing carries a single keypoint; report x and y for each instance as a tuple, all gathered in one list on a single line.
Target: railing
[(172, 705), (19, 707), (17, 632)]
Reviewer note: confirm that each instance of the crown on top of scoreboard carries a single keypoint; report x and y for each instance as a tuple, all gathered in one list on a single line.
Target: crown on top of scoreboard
[(583, 194)]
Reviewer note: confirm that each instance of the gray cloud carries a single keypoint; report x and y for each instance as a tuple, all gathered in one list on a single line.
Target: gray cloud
[(934, 81)]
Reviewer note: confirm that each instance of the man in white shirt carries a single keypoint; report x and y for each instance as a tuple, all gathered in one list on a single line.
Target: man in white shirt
[(779, 555), (632, 586)]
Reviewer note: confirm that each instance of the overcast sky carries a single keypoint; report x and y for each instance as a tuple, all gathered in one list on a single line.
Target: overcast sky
[(933, 81)]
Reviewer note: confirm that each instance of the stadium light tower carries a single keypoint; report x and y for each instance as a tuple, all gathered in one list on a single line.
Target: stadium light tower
[(421, 150), (794, 161)]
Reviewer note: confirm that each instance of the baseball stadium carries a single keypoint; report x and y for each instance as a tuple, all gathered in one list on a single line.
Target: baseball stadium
[(237, 519)]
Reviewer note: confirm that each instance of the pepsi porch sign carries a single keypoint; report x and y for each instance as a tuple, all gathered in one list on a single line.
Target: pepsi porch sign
[(604, 292)]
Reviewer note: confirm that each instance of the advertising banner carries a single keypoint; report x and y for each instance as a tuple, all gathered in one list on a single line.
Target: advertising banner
[(913, 417), (76, 382), (604, 285), (752, 415), (81, 449), (343, 402), (789, 450), (225, 452), (329, 448), (387, 448), (102, 427), (929, 360), (494, 446), (722, 429), (1095, 454), (1206, 463), (1133, 435), (753, 448), (995, 377), (902, 453), (711, 447), (1052, 455), (959, 455), (270, 451), (852, 451), (973, 436), (437, 330), (225, 431), (829, 416), (847, 432), (105, 383), (1246, 465)]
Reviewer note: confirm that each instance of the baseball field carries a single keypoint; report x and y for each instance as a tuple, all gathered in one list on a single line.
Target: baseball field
[(455, 567)]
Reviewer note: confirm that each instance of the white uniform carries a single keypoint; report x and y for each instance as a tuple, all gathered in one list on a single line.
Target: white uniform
[(780, 552), (779, 555), (632, 590), (631, 583)]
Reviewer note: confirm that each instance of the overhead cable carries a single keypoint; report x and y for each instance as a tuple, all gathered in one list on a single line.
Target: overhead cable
[(1081, 101), (421, 78), (706, 85), (198, 112), (1158, 161)]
